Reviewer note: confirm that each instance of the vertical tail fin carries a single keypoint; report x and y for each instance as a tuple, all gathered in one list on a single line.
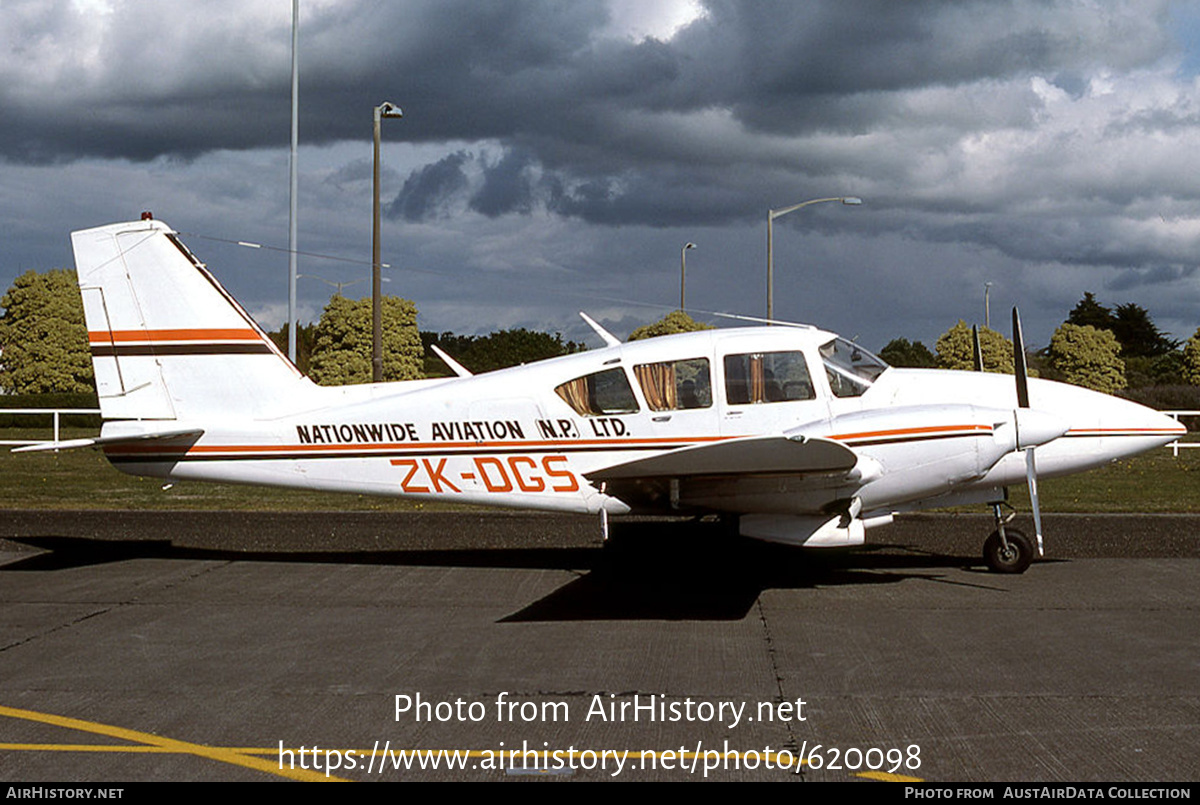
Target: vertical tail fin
[(167, 341)]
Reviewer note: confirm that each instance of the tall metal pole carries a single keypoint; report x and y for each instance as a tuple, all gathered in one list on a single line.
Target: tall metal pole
[(770, 265), (293, 182), (852, 201), (987, 305), (385, 109), (376, 290), (683, 272)]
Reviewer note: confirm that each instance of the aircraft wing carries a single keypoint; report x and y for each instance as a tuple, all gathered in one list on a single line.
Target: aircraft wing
[(764, 455)]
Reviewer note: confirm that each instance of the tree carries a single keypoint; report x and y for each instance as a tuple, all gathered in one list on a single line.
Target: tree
[(956, 349), (1162, 370), (905, 353), (1137, 333), (342, 352), (674, 322), (43, 337), (1090, 313), (1088, 357), (306, 336), (1191, 359), (498, 350)]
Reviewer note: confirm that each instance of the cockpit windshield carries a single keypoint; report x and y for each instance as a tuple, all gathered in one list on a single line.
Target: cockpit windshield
[(850, 368)]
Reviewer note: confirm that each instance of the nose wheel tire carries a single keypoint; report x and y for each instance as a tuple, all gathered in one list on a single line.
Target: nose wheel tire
[(1014, 558)]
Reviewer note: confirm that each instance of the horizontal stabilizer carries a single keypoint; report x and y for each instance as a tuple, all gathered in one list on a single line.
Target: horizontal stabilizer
[(102, 441), (770, 455)]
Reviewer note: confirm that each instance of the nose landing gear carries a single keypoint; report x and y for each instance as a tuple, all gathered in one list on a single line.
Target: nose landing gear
[(1007, 550)]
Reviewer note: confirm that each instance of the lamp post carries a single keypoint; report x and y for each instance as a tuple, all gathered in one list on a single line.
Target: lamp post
[(852, 201), (385, 109), (987, 305), (683, 271)]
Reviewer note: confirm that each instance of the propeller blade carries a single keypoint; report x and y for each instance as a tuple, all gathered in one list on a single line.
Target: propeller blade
[(1019, 362), (1022, 373), (978, 356), (1031, 476)]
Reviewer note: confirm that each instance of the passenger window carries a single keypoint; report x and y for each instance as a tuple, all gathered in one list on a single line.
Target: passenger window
[(767, 377), (675, 385), (606, 392)]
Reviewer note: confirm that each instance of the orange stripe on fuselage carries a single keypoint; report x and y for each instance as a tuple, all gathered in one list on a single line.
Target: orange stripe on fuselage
[(877, 434), (195, 334)]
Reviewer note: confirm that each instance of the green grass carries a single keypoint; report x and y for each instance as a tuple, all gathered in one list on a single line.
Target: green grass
[(1154, 482), (83, 479)]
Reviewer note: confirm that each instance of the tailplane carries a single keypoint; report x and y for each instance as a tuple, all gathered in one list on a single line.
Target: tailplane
[(167, 341)]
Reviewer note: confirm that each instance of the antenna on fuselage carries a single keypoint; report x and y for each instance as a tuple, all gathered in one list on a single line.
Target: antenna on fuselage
[(758, 320), (976, 348), (610, 340)]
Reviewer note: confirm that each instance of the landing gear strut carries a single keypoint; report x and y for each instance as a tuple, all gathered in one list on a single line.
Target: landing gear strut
[(1007, 550)]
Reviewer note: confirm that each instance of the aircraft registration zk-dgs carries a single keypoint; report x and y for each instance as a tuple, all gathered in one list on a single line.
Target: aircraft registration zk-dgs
[(792, 434)]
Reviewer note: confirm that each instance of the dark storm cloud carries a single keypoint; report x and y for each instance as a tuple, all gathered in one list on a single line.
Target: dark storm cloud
[(792, 66), (1034, 132), (507, 186), (138, 83), (428, 191), (1155, 275)]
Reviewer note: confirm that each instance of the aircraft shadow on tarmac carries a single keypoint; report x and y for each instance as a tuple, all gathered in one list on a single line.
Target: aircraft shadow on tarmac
[(646, 571)]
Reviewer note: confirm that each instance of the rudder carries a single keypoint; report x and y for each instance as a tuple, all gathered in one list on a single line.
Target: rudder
[(167, 341)]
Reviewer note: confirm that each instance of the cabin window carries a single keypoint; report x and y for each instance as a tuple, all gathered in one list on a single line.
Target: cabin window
[(850, 368), (606, 392), (675, 385), (767, 377)]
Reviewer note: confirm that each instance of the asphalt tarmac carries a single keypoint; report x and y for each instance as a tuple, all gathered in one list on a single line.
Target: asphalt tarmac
[(198, 645)]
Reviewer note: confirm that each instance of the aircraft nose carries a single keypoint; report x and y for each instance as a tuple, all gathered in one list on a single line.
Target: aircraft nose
[(1153, 424), (1125, 428), (1101, 427), (1133, 420)]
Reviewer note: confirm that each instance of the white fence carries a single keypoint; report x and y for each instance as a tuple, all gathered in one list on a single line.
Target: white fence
[(56, 413), (1176, 445)]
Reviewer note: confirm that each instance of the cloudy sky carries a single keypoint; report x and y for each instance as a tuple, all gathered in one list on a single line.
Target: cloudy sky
[(556, 156)]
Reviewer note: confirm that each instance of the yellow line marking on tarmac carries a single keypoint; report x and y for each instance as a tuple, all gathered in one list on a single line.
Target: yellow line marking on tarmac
[(147, 742), (889, 778)]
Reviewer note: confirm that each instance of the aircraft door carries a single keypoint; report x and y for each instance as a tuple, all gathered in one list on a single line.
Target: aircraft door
[(767, 392), (679, 396)]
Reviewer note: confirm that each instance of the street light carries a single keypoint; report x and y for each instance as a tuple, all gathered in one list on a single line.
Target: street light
[(987, 306), (385, 109), (683, 271), (852, 201)]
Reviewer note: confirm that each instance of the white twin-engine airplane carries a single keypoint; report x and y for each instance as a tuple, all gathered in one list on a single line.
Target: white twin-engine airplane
[(791, 433)]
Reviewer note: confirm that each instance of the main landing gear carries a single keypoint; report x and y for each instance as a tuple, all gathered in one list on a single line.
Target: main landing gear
[(1007, 550)]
